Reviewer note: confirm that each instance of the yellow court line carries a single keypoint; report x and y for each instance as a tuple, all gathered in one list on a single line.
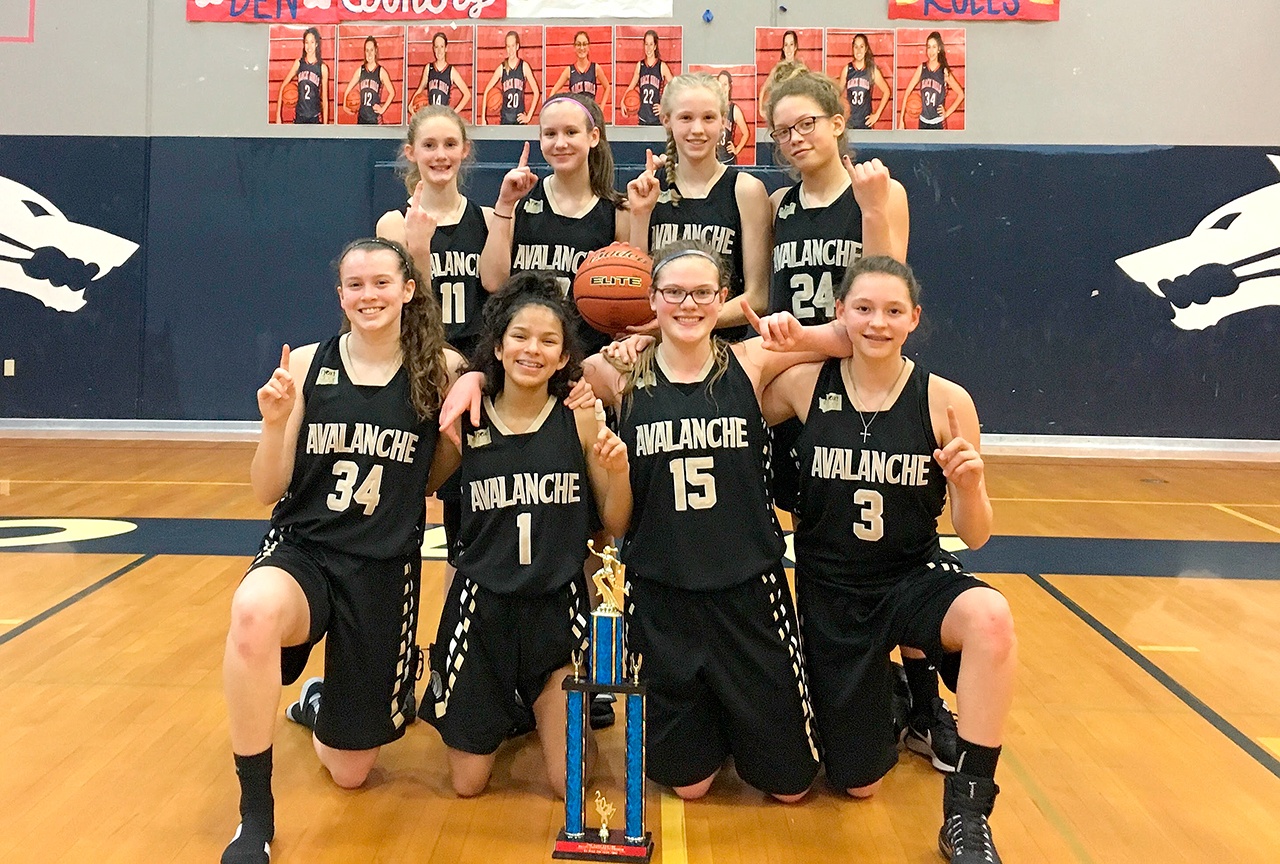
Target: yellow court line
[(12, 620), (4, 487), (1267, 525), (1272, 744), (1171, 649), (1123, 502), (133, 482), (671, 834), (1051, 814)]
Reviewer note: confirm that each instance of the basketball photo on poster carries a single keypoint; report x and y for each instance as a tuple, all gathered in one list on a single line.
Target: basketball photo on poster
[(371, 69), (442, 63), (737, 139), (509, 61), (930, 79), (580, 60), (300, 82), (647, 58), (861, 62), (777, 44)]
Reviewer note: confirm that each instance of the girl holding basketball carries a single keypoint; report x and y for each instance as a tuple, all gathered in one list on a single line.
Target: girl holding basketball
[(374, 84), (439, 78), (934, 79), (342, 556), (520, 593), (860, 76), (704, 197), (651, 76), (553, 223), (885, 445), (583, 76), (313, 83), (512, 76)]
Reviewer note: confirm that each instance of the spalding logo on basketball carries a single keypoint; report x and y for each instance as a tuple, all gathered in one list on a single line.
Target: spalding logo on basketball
[(611, 288)]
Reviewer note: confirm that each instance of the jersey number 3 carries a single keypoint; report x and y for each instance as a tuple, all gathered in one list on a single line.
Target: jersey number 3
[(345, 492), (870, 524)]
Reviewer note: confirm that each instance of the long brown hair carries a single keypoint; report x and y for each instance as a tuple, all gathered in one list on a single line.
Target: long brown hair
[(421, 331), (408, 167), (599, 157)]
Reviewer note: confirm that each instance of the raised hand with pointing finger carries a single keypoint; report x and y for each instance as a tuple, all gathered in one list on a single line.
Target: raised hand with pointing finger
[(642, 192), (516, 184), (960, 461), (276, 397), (609, 450)]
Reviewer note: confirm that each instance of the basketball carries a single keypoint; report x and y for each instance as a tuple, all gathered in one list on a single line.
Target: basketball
[(611, 288), (493, 101), (289, 94), (420, 101), (352, 103), (631, 101), (914, 105)]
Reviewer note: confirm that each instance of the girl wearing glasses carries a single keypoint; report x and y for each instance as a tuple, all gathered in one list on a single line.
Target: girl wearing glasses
[(705, 198), (583, 76), (708, 603), (934, 79), (554, 223)]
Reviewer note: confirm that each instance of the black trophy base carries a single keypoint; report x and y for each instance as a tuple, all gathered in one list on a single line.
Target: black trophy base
[(590, 848)]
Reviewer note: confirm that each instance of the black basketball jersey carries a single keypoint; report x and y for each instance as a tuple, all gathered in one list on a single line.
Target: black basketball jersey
[(512, 94), (726, 138), (308, 108), (702, 517), (715, 220), (933, 94), (857, 89), (868, 510), (583, 82), (650, 86), (455, 276), (439, 84), (544, 240), (527, 504), (359, 480), (812, 247), (370, 88)]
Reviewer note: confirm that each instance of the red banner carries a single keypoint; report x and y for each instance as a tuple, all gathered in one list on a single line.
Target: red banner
[(974, 10), (341, 11)]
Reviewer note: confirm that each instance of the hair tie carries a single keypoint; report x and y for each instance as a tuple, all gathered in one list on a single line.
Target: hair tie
[(591, 121), (684, 253)]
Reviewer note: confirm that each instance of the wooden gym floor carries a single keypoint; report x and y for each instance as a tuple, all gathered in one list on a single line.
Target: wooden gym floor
[(1146, 725)]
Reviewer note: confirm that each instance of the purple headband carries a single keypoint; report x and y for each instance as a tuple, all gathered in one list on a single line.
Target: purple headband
[(591, 121)]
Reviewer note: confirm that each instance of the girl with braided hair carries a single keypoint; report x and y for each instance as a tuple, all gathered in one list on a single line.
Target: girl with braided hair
[(705, 199)]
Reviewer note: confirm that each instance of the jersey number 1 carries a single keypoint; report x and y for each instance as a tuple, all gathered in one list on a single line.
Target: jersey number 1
[(345, 492)]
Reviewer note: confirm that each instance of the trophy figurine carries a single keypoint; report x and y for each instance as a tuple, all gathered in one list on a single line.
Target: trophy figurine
[(609, 670)]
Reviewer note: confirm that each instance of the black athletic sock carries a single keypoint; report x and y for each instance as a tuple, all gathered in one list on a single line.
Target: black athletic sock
[(251, 844), (922, 680), (976, 760)]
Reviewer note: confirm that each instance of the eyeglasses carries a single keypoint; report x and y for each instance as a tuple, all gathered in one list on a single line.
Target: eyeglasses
[(803, 126), (701, 296)]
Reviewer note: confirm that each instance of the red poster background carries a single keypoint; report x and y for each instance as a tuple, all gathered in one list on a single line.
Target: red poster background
[(286, 47), (490, 52), (742, 94), (560, 54), (975, 10), (809, 46), (911, 53), (390, 56), (840, 54), (628, 43), (460, 53)]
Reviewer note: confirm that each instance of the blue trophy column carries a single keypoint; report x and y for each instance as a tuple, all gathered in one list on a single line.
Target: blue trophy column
[(575, 793), (635, 768)]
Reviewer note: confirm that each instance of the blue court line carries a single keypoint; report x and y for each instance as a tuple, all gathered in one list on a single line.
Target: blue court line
[(1244, 742), (73, 599)]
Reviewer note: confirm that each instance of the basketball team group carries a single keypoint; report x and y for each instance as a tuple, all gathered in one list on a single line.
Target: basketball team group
[(764, 370)]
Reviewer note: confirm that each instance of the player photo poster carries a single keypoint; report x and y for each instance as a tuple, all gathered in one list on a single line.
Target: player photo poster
[(580, 60), (775, 44), (930, 79), (647, 58), (509, 75), (300, 74), (738, 141), (371, 74), (861, 62), (441, 62)]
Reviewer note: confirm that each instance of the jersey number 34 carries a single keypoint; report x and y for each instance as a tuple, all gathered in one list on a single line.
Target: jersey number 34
[(345, 492)]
